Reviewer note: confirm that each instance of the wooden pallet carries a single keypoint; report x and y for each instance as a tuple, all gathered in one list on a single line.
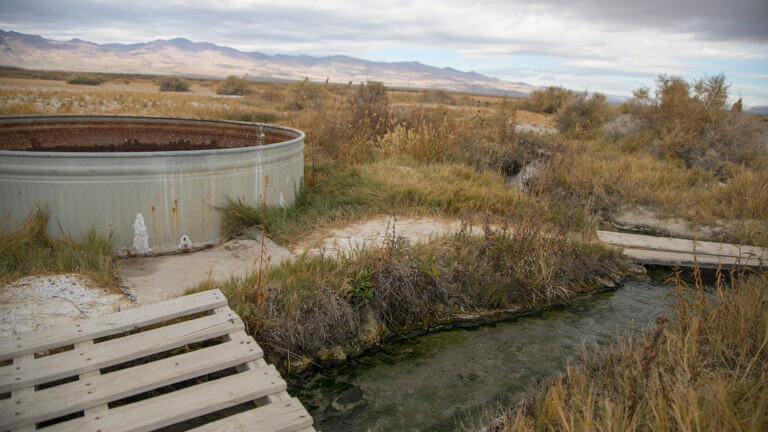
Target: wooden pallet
[(184, 362)]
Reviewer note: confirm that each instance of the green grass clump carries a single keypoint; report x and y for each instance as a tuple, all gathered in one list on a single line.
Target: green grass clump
[(29, 251)]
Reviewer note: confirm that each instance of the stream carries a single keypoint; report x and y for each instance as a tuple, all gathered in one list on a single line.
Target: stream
[(446, 380)]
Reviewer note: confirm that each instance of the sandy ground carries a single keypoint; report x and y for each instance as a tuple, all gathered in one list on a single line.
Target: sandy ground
[(645, 220), (154, 279), (373, 232), (36, 302)]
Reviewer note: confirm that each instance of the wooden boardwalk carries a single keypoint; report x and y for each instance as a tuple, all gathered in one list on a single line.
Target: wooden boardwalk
[(666, 251), (184, 362)]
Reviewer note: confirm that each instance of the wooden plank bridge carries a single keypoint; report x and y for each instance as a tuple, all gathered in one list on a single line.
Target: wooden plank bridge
[(184, 362), (666, 251)]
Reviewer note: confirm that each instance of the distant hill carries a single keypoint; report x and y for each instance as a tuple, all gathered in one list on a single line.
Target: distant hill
[(760, 109), (184, 57)]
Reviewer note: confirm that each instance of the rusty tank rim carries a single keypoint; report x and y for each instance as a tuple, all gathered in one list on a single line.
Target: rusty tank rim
[(41, 118)]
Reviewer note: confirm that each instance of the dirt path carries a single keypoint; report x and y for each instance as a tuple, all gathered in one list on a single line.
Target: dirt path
[(343, 241), (154, 279)]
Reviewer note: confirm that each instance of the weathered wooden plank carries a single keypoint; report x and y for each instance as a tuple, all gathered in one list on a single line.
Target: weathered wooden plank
[(181, 405), (27, 392), (115, 351), (63, 335), (638, 241), (283, 416), (666, 258), (92, 391)]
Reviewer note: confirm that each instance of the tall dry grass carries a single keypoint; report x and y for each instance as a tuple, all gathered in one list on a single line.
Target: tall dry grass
[(705, 369)]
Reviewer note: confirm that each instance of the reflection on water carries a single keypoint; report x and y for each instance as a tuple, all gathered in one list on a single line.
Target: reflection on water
[(434, 382)]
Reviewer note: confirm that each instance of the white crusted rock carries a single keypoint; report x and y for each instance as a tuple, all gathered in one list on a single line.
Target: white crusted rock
[(140, 236)]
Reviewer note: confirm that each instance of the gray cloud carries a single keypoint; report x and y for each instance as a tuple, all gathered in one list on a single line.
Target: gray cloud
[(627, 40), (707, 19)]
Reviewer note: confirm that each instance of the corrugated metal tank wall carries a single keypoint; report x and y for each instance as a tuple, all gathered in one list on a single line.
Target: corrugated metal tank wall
[(176, 192)]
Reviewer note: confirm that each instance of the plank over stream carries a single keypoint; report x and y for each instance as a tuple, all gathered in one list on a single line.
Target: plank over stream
[(668, 251)]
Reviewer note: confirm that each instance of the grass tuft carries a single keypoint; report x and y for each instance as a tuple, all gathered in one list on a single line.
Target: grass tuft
[(29, 251)]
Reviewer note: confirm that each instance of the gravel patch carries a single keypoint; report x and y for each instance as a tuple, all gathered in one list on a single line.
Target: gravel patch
[(36, 302)]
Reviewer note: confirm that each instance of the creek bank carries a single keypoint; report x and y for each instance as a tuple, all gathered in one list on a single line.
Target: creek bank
[(451, 379), (303, 368)]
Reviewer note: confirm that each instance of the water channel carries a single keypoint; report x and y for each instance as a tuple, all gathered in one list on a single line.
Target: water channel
[(443, 380)]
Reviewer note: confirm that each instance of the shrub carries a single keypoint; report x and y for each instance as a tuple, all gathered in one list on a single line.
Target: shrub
[(173, 83), (305, 94), (85, 79), (438, 96), (234, 86), (621, 127), (548, 100), (582, 114), (691, 121), (370, 107)]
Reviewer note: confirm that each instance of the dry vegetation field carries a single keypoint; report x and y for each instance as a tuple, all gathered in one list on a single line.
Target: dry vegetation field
[(677, 151)]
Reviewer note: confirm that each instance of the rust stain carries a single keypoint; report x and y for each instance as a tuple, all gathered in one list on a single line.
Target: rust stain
[(176, 213), (93, 134)]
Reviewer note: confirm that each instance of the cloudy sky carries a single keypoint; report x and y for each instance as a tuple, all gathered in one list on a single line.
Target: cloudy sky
[(596, 45)]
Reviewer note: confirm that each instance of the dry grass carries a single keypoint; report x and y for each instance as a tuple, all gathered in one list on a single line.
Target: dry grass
[(312, 306), (604, 176), (29, 251), (705, 369), (339, 194)]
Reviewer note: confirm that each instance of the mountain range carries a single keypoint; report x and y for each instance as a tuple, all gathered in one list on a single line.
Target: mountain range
[(203, 59)]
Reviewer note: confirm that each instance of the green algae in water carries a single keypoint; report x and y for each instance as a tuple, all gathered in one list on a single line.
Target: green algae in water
[(443, 380)]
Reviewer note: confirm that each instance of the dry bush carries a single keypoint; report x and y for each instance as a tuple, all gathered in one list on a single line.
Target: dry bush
[(690, 121), (621, 126), (273, 95), (369, 105), (427, 133), (548, 100), (173, 83), (234, 86), (438, 96), (582, 113), (305, 95), (85, 79)]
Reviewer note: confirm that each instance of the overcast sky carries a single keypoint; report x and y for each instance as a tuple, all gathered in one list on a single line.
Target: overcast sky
[(600, 45)]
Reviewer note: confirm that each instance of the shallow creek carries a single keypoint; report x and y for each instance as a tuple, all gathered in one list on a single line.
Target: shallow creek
[(443, 380)]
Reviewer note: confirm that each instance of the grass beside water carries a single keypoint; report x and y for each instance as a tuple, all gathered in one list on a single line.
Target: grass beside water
[(319, 309), (706, 368)]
